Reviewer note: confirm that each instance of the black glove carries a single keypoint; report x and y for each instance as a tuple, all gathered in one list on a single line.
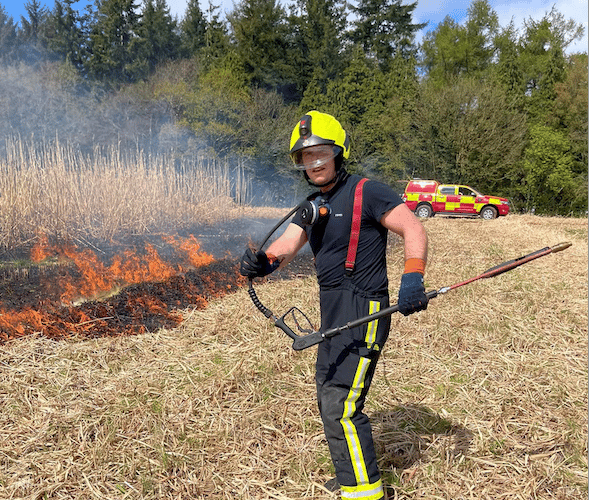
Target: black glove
[(412, 297), (256, 265)]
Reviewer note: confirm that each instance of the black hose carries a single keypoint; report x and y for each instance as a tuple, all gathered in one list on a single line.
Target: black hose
[(279, 223), (252, 293), (261, 307)]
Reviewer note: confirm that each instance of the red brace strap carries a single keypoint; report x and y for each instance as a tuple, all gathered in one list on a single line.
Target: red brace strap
[(355, 232)]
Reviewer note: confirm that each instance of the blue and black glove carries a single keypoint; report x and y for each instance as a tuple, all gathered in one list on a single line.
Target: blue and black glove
[(257, 265), (412, 297)]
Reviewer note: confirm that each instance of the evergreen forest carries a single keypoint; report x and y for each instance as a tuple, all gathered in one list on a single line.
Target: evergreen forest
[(500, 108)]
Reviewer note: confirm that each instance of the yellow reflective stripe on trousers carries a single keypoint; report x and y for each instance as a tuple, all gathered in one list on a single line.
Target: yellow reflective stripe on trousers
[(373, 325), (364, 492), (350, 431)]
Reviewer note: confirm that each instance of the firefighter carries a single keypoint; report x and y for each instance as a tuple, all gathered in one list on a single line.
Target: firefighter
[(352, 284)]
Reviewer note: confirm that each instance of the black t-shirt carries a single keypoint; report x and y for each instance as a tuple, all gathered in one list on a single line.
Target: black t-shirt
[(329, 240)]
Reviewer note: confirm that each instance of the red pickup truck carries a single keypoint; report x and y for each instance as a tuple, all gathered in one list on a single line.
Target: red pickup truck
[(427, 198)]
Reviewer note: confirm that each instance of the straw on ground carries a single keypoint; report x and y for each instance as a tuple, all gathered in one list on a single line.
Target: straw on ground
[(483, 396)]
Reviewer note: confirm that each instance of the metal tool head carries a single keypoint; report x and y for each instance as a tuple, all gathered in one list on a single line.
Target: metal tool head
[(561, 246)]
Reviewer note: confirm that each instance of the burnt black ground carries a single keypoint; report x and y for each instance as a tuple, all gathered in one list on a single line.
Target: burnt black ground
[(135, 309)]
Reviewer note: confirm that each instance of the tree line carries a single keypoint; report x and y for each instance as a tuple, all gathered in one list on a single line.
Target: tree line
[(501, 108)]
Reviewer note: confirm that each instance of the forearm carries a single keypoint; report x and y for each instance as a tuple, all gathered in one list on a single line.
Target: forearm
[(415, 243), (287, 245), (403, 222)]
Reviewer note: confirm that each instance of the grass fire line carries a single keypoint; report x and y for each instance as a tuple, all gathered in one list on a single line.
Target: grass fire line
[(78, 294)]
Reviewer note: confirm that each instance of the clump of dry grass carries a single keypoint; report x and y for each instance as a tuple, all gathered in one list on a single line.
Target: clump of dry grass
[(482, 396), (56, 190)]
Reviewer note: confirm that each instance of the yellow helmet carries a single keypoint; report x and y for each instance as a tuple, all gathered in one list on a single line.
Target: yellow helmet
[(316, 128)]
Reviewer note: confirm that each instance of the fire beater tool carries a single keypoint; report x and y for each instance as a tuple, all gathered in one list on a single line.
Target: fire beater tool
[(310, 337)]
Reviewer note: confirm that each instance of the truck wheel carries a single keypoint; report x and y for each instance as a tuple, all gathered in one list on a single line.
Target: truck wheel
[(488, 213), (424, 211)]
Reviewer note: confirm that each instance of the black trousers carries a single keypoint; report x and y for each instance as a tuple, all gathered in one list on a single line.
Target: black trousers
[(344, 370)]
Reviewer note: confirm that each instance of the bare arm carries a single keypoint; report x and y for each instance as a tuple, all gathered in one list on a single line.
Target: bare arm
[(400, 220), (288, 244)]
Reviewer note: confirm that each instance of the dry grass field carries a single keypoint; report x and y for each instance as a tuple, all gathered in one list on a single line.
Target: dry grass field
[(481, 397)]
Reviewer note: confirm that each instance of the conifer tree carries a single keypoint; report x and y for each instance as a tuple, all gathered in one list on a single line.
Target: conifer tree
[(384, 28), (31, 25), (552, 168), (65, 33), (217, 42), (453, 50), (570, 113), (508, 69), (443, 52), (259, 31), (316, 45), (158, 34), (482, 27), (31, 40), (8, 37), (193, 30), (114, 44), (542, 59)]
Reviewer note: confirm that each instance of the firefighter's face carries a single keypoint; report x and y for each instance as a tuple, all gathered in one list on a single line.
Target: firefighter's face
[(319, 164)]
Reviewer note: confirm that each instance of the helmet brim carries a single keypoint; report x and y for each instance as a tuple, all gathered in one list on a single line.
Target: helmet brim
[(310, 141)]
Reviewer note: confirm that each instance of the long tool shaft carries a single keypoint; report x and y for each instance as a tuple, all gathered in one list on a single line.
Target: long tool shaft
[(510, 264), (304, 341)]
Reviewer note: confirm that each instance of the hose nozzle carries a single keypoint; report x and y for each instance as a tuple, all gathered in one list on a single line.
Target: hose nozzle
[(561, 246)]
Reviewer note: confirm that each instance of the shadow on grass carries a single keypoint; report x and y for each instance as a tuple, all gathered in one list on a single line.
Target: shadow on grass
[(403, 434)]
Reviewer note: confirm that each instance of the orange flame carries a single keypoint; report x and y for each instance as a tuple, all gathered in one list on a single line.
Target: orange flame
[(41, 250), (13, 321), (160, 290), (126, 269), (133, 268), (190, 247)]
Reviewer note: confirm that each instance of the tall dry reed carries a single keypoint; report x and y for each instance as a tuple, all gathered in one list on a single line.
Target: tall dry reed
[(55, 189)]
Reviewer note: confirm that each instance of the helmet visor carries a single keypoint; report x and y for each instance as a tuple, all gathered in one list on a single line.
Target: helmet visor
[(314, 156)]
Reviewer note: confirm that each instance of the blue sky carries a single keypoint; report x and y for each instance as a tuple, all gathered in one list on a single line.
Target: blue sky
[(432, 11)]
